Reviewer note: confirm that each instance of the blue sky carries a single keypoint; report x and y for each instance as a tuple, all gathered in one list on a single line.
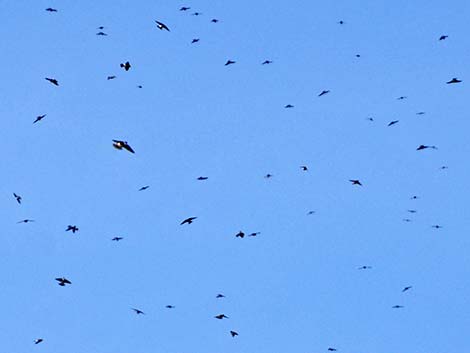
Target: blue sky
[(296, 286)]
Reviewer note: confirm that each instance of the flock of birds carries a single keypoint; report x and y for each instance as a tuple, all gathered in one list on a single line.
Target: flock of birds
[(123, 145)]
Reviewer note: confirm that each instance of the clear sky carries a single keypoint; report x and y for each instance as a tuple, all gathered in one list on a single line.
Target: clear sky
[(296, 286)]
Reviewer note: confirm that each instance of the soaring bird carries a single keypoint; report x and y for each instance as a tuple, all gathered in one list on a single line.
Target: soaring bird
[(202, 178), (407, 288), (341, 22), (162, 26), (117, 238), (393, 122), (101, 33), (218, 296), (144, 187), (437, 226), (423, 147), (221, 316), (188, 220), (234, 333), (63, 281), (38, 340), (420, 113), (332, 349), (53, 81), (230, 62), (397, 306), (17, 197), (39, 118), (454, 80), (50, 9), (443, 37), (268, 176), (240, 234), (254, 234), (288, 106), (322, 93), (266, 62), (111, 77), (310, 213), (364, 267), (118, 144), (195, 40), (401, 98), (138, 312), (196, 14), (170, 306), (126, 66), (406, 220), (412, 211), (304, 168), (184, 8), (72, 228), (355, 182), (214, 20), (26, 221)]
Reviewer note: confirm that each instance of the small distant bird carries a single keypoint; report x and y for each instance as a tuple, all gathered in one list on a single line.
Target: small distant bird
[(406, 220), (436, 226), (443, 37), (195, 40), (111, 77), (39, 118), (162, 26), (304, 168), (126, 66), (444, 167), (407, 288), (412, 211), (184, 8), (414, 197), (454, 80), (50, 9), (332, 349), (72, 228), (230, 62), (38, 340), (423, 147), (202, 178), (221, 316), (118, 144), (17, 197), (341, 22), (268, 176), (310, 213), (266, 62), (420, 113), (240, 234), (234, 333), (101, 34), (26, 221), (53, 81), (138, 312), (139, 86), (364, 268), (254, 234), (214, 20), (401, 98), (289, 106), (196, 14), (358, 55), (370, 119), (397, 306), (220, 296), (169, 307), (100, 27), (117, 238), (188, 220), (393, 122), (144, 187), (63, 281), (355, 182), (322, 93)]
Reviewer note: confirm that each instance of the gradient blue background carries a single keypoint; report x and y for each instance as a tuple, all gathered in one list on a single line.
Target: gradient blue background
[(294, 288)]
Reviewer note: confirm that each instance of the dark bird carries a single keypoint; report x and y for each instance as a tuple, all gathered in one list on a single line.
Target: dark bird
[(214, 20), (138, 312), (406, 220), (162, 26), (393, 122), (240, 234), (101, 34), (414, 197), (63, 281), (196, 14), (100, 27), (310, 213), (268, 176), (144, 187), (358, 55), (118, 144), (126, 66), (322, 93), (412, 211), (220, 296), (221, 316), (266, 62), (188, 220), (355, 182), (18, 198), (254, 234), (53, 81), (443, 37), (420, 113), (364, 268), (397, 306), (230, 62), (111, 77), (454, 80), (444, 167), (184, 8), (332, 349), (407, 288), (341, 22), (139, 86), (401, 98), (202, 178), (38, 340), (234, 333), (169, 307), (195, 40), (117, 238), (39, 118), (436, 226), (304, 168), (370, 119), (50, 9), (423, 147), (289, 106), (26, 221), (72, 228)]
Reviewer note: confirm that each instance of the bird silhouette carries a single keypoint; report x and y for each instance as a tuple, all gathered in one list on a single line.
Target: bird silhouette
[(17, 197), (126, 66), (332, 349), (443, 37), (393, 122), (184, 8), (230, 62), (304, 168), (202, 178), (111, 77), (407, 288), (268, 176), (340, 22), (218, 296), (50, 9), (401, 98), (101, 33), (39, 118), (310, 213), (138, 312), (411, 211), (144, 187), (117, 238), (188, 220), (240, 234), (169, 307), (162, 26), (420, 113), (254, 234), (38, 340), (234, 333), (196, 14), (322, 93), (72, 228), (26, 221), (397, 306), (63, 281), (423, 147), (289, 106), (406, 220), (436, 226), (365, 267), (195, 40), (454, 80), (214, 20), (53, 81), (355, 182), (118, 144), (266, 62), (221, 316)]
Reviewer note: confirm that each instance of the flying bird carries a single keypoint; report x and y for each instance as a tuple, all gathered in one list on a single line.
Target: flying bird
[(230, 62), (221, 316), (169, 307), (412, 211), (240, 234), (364, 268), (310, 213), (202, 178), (38, 340), (195, 40), (454, 80), (100, 27), (17, 197), (266, 62), (407, 288), (370, 119), (234, 333), (322, 93), (101, 34), (50, 9), (144, 187), (111, 77), (332, 349), (39, 118), (214, 20), (414, 197), (436, 226), (254, 234), (126, 66), (196, 14), (401, 98), (162, 26), (220, 296), (138, 312), (184, 8), (341, 22), (53, 81), (420, 113), (423, 147), (72, 228), (304, 168), (406, 220), (63, 281), (188, 220), (443, 37), (289, 106), (268, 176), (26, 221), (397, 306), (118, 144), (355, 182), (117, 238), (393, 122)]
